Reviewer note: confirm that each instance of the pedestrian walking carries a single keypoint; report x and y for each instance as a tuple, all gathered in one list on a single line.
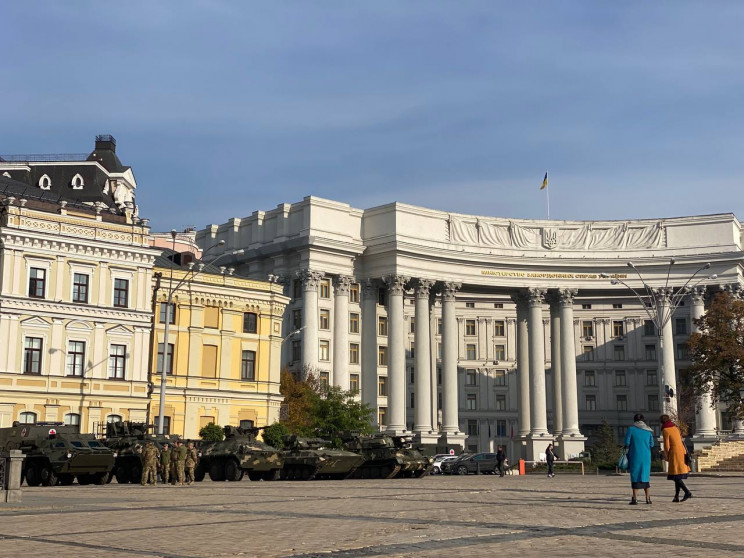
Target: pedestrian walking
[(192, 458), (639, 439), (165, 463), (180, 462), (149, 464), (500, 460), (674, 454), (550, 457)]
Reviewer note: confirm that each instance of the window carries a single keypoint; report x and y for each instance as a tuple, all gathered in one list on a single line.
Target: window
[(171, 312), (72, 419), (45, 183), (469, 327), (653, 402), (250, 322), (37, 282), (616, 305), (499, 352), (32, 355), (354, 382), (297, 288), (498, 305), (439, 400), (620, 378), (245, 424), (683, 352), (439, 326), (649, 328), (111, 419), (169, 359), (413, 325), (618, 328), (470, 353), (587, 328), (439, 351), (382, 326), (80, 283), (651, 378), (472, 427), (324, 350), (650, 352), (680, 326), (471, 402), (622, 431), (588, 352), (325, 288), (27, 417), (166, 425), (353, 353), (470, 305), (325, 319), (589, 378), (381, 297), (382, 356), (591, 402), (354, 293), (297, 319), (296, 350), (619, 352), (117, 361), (353, 323), (212, 317), (325, 379), (121, 293), (501, 428), (470, 377), (500, 402), (77, 182), (439, 376), (622, 402), (413, 350), (209, 361), (413, 375), (75, 358), (499, 378), (382, 386), (248, 365), (413, 400), (498, 328), (382, 416)]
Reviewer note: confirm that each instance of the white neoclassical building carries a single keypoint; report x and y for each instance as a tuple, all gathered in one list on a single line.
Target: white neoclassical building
[(476, 331)]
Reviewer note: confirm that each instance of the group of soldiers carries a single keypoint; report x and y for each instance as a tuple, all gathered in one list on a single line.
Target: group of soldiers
[(174, 465)]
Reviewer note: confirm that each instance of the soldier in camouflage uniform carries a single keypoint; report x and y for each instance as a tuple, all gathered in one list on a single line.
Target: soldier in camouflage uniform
[(165, 463), (174, 464), (149, 464), (181, 462), (192, 458)]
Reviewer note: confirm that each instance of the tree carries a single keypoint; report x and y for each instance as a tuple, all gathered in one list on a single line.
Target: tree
[(605, 447), (274, 434), (717, 354), (211, 433)]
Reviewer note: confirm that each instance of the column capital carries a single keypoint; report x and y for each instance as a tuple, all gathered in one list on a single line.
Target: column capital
[(734, 289), (663, 295), (449, 290), (310, 279), (697, 295), (369, 288), (566, 296), (422, 287), (342, 284), (396, 284), (535, 296)]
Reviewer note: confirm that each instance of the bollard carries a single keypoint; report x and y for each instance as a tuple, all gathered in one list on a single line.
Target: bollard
[(12, 464), (521, 467)]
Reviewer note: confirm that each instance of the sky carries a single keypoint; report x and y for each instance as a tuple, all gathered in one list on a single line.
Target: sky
[(224, 108)]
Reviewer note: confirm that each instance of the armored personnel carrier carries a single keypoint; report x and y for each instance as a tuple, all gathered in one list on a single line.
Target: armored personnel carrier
[(387, 457), (127, 440), (239, 453), (313, 458), (56, 454)]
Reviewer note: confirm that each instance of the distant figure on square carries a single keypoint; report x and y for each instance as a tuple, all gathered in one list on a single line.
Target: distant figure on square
[(192, 458), (674, 454), (500, 460), (638, 443), (550, 457), (149, 464), (165, 462)]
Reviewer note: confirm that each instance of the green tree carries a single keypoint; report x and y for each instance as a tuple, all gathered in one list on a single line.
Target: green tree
[(274, 434), (605, 449), (212, 433), (717, 354)]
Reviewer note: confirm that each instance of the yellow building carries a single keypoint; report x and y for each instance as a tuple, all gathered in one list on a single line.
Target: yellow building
[(223, 357)]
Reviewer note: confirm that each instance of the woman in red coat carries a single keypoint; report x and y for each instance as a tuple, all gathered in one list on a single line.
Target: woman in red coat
[(674, 454)]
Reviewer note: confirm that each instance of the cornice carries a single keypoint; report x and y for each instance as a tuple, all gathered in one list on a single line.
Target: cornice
[(72, 311)]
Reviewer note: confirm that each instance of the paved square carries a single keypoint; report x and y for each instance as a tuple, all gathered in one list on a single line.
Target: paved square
[(569, 515)]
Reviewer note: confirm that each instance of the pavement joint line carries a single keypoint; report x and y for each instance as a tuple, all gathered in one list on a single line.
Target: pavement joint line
[(136, 552)]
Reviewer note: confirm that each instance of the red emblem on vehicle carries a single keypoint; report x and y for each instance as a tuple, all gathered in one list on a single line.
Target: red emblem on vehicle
[(23, 432), (452, 452), (52, 432)]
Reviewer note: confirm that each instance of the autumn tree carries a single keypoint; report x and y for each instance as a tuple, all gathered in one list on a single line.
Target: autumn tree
[(717, 353)]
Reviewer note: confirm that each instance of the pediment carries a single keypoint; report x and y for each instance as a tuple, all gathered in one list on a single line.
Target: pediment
[(78, 325), (35, 322), (119, 330)]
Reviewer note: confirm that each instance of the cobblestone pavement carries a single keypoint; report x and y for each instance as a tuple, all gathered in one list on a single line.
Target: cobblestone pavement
[(483, 515)]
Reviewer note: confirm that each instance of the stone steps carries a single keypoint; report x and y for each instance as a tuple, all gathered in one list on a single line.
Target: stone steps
[(726, 455)]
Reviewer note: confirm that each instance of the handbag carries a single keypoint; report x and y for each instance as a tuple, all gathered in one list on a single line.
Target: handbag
[(688, 458), (622, 463)]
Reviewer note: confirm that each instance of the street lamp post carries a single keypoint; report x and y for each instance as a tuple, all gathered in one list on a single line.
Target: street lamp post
[(660, 303), (169, 314)]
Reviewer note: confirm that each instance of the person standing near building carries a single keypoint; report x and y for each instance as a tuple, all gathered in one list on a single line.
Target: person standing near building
[(500, 460), (165, 463), (174, 464), (674, 454), (192, 458), (180, 462), (550, 457), (149, 464), (639, 440)]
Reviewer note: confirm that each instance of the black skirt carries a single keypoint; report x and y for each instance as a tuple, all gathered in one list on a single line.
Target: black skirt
[(638, 485), (677, 477)]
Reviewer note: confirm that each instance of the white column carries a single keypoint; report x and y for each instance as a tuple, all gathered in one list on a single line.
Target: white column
[(556, 365), (369, 346), (422, 358), (341, 285), (310, 317), (450, 419), (568, 364), (396, 354), (538, 414), (523, 365), (705, 417), (668, 382)]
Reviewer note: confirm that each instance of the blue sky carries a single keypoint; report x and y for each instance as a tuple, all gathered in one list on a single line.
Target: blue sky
[(224, 108)]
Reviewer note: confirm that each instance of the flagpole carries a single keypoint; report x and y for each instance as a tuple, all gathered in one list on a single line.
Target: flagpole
[(547, 193)]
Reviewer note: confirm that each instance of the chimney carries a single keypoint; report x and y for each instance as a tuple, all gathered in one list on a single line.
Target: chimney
[(105, 141)]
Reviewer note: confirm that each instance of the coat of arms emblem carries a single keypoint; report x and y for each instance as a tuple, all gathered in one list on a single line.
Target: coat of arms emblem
[(550, 238)]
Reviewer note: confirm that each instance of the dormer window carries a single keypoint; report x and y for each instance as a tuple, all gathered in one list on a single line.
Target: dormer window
[(45, 183), (77, 182)]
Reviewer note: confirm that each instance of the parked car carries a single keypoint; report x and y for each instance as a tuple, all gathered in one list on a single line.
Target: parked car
[(436, 468), (471, 463)]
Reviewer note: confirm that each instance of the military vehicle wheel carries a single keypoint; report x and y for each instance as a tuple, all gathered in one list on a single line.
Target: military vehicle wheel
[(462, 470), (121, 474), (217, 471), (109, 477), (271, 475), (255, 475), (33, 475), (84, 480), (199, 473), (48, 476), (306, 473), (233, 472), (100, 478), (66, 480), (135, 473)]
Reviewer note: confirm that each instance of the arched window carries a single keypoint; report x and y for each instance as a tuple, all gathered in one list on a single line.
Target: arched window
[(45, 183), (77, 182), (113, 418), (27, 417), (72, 419)]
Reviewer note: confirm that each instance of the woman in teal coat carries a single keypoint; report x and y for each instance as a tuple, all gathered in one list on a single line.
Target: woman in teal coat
[(638, 442)]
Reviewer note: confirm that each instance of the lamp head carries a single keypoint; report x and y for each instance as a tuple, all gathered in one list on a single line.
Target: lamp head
[(604, 275), (174, 232), (671, 261), (221, 243), (614, 282), (630, 264), (707, 266), (714, 276)]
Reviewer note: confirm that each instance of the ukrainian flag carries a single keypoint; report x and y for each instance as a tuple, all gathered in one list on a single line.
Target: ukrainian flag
[(545, 182)]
